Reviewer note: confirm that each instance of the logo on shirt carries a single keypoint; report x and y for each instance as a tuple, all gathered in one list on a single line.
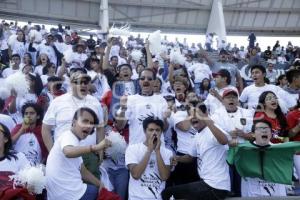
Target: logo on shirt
[(148, 106), (243, 121)]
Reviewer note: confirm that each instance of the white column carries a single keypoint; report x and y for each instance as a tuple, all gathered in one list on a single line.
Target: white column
[(216, 22), (103, 16)]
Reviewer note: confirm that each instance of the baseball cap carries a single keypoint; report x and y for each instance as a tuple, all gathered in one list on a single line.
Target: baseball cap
[(230, 91)]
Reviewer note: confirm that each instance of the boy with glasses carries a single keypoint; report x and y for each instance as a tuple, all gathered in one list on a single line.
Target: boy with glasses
[(265, 168)]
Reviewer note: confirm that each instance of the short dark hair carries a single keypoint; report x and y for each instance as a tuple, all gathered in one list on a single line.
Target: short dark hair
[(260, 121), (86, 109), (260, 67), (149, 70), (291, 74), (125, 65), (16, 55), (154, 120), (36, 107)]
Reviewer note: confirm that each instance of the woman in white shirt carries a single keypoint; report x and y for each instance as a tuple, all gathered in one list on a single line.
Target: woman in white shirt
[(42, 61), (18, 46)]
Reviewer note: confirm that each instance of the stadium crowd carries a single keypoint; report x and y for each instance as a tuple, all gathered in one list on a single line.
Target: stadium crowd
[(191, 128)]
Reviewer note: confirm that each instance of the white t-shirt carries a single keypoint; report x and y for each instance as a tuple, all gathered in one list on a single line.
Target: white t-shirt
[(255, 187), (140, 107), (19, 48), (212, 103), (9, 71), (211, 160), (64, 181), (7, 121), (13, 165), (200, 71), (29, 145), (61, 111), (184, 139), (48, 50), (39, 70), (289, 98), (149, 186), (251, 93), (241, 119)]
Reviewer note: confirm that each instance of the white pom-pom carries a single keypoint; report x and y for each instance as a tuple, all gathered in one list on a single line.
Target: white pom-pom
[(118, 145), (12, 39), (36, 35), (32, 178), (18, 82), (176, 57), (69, 55), (136, 55), (155, 42), (122, 31)]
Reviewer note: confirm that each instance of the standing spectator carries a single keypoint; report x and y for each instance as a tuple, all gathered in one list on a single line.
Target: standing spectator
[(209, 41), (27, 136), (66, 181), (214, 98), (91, 43), (251, 93), (268, 109), (135, 108), (277, 45), (251, 39), (223, 63), (209, 147), (271, 73), (148, 162)]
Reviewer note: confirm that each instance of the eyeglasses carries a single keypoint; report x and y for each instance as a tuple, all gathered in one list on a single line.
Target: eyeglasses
[(262, 128), (144, 78), (271, 98), (80, 82)]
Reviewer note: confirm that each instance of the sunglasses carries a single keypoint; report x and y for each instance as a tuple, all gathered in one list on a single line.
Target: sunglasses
[(80, 82), (144, 78)]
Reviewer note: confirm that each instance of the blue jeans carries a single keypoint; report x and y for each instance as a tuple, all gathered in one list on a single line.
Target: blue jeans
[(119, 179), (91, 193)]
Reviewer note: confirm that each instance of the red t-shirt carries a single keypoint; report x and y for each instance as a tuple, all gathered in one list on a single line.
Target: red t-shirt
[(293, 118), (276, 127)]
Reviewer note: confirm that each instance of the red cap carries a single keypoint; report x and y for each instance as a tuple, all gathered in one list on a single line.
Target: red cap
[(230, 91)]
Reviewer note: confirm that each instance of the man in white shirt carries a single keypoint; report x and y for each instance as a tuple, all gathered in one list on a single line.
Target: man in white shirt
[(135, 108), (15, 66), (148, 163), (214, 98), (210, 149), (290, 94), (251, 93), (65, 171), (60, 112)]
